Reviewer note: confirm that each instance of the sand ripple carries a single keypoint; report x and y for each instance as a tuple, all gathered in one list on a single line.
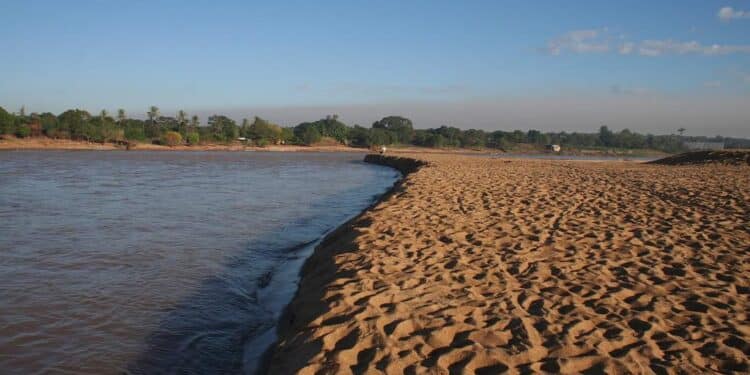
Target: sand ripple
[(488, 266)]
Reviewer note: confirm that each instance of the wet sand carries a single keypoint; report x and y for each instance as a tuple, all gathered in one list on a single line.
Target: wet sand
[(478, 265)]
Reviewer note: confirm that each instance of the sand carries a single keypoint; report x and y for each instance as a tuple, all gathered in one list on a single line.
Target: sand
[(477, 265)]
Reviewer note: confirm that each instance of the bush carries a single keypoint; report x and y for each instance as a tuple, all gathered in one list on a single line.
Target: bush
[(171, 138), (23, 131), (307, 133), (192, 138), (6, 121), (262, 142), (134, 132)]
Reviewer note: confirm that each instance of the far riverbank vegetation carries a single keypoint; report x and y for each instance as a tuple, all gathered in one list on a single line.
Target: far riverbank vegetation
[(183, 129)]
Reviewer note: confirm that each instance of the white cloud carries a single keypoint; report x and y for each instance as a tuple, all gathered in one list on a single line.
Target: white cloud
[(665, 47), (579, 41), (597, 41), (627, 48), (712, 84), (727, 14)]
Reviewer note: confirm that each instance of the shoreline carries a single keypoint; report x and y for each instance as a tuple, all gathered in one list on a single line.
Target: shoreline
[(321, 249), (401, 288), (405, 166), (49, 144)]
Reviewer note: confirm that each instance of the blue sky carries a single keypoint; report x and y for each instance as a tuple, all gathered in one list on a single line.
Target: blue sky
[(551, 65)]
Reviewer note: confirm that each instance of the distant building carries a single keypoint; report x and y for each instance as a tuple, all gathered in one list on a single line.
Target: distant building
[(553, 148), (697, 146)]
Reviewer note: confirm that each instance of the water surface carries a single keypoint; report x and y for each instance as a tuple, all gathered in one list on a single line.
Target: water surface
[(144, 262)]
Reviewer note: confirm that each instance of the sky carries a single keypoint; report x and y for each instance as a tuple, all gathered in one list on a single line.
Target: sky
[(650, 66)]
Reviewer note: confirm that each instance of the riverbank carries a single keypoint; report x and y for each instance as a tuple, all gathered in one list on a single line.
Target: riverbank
[(44, 143), (12, 143), (486, 265)]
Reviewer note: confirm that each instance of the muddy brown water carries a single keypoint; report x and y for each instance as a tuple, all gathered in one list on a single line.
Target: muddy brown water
[(160, 262)]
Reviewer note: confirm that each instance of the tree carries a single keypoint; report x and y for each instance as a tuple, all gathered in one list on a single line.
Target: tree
[(307, 133), (195, 122), (7, 122), (181, 117), (498, 139), (359, 136), (223, 128), (110, 132), (401, 127), (153, 113), (23, 131), (287, 135), (681, 131), (151, 130), (381, 137), (192, 138), (451, 135), (75, 123), (103, 114), (49, 124), (605, 136), (262, 131), (474, 138), (333, 128), (22, 111), (534, 136), (134, 130), (121, 117)]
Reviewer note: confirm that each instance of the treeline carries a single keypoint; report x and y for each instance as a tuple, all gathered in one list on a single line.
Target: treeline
[(78, 124)]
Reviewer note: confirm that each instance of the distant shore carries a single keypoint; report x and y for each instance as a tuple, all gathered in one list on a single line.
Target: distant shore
[(9, 143), (487, 265), (43, 143), (12, 143)]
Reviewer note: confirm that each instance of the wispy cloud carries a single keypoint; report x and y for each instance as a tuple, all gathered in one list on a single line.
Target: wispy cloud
[(627, 48), (665, 47), (598, 41), (712, 84), (579, 41), (727, 14), (639, 91), (370, 89)]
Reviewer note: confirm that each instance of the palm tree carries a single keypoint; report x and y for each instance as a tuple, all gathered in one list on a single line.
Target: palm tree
[(181, 117), (681, 131), (121, 117), (153, 112)]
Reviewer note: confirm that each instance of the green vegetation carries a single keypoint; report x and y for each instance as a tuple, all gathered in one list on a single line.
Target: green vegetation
[(171, 138), (192, 138), (78, 124)]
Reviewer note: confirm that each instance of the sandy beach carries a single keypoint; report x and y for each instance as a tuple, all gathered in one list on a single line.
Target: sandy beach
[(486, 266)]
